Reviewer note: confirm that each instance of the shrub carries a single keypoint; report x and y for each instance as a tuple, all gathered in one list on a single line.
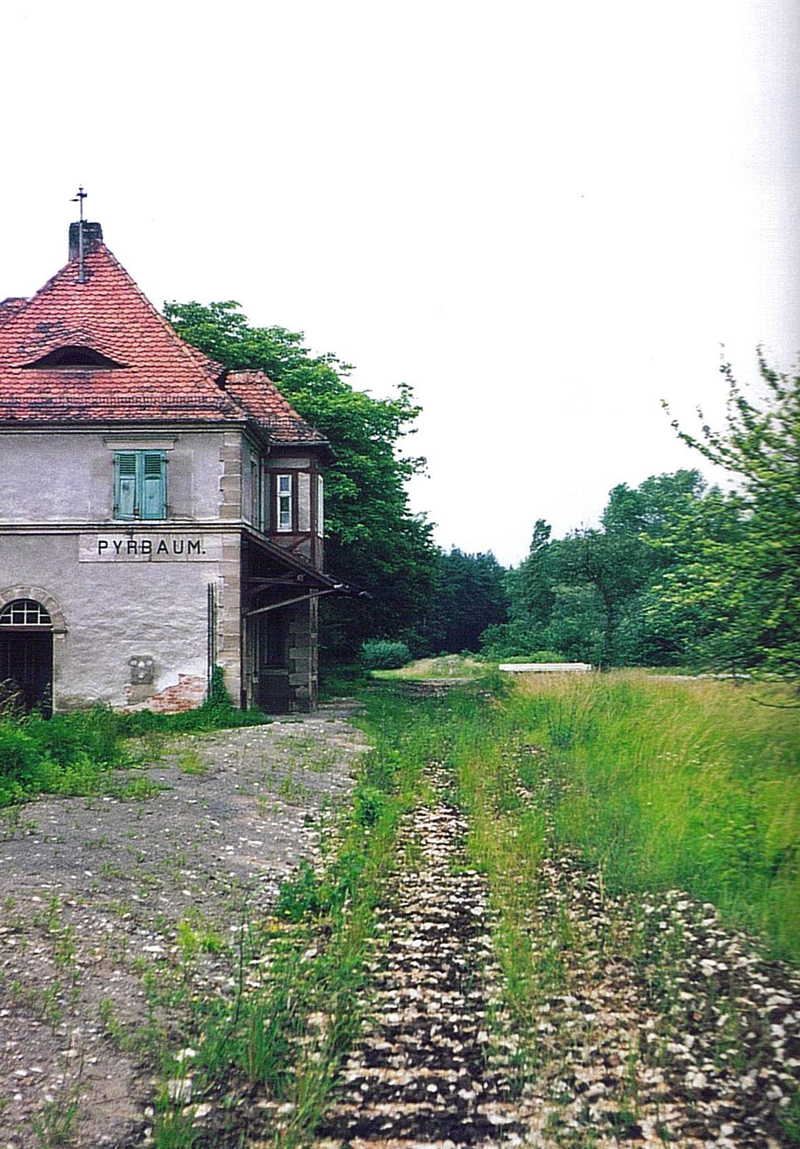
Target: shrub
[(509, 639), (20, 755), (382, 654), (73, 753)]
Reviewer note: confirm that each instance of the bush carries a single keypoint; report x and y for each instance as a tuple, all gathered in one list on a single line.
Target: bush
[(369, 805), (20, 755), (381, 654), (509, 639)]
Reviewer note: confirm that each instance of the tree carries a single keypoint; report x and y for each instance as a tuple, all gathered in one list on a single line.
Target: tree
[(532, 585), (584, 595), (468, 596), (758, 574), (372, 538), (622, 559), (693, 610)]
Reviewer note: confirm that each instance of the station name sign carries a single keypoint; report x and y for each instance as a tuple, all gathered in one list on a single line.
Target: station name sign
[(150, 548)]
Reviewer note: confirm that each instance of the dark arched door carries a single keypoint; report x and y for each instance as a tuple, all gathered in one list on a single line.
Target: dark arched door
[(26, 655)]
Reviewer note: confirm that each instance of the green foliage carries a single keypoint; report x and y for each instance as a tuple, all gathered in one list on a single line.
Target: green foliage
[(469, 595), (372, 538), (661, 784), (76, 753), (64, 737), (20, 756), (679, 574), (664, 784), (218, 692), (301, 895), (535, 656), (370, 804), (662, 582), (747, 583), (382, 654), (509, 640)]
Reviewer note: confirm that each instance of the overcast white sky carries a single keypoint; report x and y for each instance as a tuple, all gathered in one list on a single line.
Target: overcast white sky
[(546, 216)]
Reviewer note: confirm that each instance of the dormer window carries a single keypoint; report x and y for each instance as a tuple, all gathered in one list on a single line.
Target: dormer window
[(73, 356)]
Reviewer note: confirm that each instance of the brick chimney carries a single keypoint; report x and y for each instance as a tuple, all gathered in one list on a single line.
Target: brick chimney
[(92, 236)]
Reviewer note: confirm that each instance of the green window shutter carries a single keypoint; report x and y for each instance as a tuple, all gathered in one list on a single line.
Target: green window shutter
[(125, 485), (153, 485)]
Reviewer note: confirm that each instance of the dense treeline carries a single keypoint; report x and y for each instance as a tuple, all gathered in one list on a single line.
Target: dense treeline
[(677, 573), (594, 596), (680, 572)]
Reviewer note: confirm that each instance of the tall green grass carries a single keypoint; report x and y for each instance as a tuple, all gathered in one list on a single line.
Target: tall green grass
[(660, 783), (678, 784)]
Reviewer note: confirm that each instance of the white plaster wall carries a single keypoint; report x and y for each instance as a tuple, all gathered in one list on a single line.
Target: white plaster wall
[(250, 455), (114, 611), (280, 462), (69, 477)]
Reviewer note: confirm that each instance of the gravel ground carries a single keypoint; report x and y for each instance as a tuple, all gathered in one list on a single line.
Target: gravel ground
[(92, 892), (653, 1024), (661, 1026)]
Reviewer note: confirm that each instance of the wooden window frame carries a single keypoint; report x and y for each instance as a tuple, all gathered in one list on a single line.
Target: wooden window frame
[(292, 496), (320, 505)]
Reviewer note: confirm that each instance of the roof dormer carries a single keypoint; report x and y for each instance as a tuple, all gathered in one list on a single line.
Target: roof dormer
[(73, 355)]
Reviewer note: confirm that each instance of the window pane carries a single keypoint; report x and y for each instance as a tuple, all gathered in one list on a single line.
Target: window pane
[(284, 502), (24, 612)]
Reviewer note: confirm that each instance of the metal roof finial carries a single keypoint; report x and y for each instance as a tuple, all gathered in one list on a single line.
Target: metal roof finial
[(79, 198)]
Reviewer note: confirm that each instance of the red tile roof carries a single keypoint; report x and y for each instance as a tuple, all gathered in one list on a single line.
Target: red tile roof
[(271, 410), (159, 377), (11, 306)]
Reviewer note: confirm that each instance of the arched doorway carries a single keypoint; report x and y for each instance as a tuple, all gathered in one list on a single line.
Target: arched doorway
[(26, 654)]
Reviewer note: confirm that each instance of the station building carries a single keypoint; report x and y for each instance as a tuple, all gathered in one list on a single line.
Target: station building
[(159, 515)]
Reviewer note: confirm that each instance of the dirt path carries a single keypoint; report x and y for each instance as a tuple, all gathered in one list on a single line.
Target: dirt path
[(96, 896)]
